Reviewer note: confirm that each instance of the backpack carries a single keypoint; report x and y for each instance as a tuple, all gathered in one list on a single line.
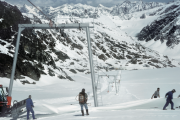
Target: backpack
[(81, 98)]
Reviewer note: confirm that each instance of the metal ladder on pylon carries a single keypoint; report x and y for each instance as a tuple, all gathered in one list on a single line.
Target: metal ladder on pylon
[(98, 83)]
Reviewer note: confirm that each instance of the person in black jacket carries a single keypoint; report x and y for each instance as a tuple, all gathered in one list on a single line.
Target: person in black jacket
[(83, 101), (169, 99)]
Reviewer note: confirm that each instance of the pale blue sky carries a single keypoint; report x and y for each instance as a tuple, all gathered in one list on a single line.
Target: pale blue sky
[(61, 2)]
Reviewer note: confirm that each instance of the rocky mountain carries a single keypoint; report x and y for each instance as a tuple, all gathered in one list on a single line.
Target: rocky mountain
[(61, 52), (33, 52), (79, 10), (166, 28), (76, 10), (125, 9)]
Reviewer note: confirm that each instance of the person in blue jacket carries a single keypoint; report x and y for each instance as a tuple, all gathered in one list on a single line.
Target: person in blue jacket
[(169, 99), (29, 105)]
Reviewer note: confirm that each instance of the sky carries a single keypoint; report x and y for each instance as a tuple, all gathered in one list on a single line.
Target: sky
[(56, 3)]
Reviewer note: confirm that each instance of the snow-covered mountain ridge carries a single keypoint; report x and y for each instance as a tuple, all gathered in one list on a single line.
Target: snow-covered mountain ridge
[(79, 10), (125, 9), (56, 53)]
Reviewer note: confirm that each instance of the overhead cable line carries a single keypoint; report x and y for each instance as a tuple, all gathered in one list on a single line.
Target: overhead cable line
[(40, 10)]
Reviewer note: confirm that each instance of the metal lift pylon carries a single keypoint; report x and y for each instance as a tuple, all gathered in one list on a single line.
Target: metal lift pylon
[(98, 83), (59, 26)]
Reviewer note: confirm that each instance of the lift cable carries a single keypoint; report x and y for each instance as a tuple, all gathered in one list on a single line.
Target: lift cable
[(40, 10)]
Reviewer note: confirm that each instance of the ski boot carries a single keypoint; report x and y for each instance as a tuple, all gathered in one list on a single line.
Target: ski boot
[(87, 112), (82, 112)]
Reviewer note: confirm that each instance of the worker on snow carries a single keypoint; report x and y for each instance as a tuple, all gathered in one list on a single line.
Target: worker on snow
[(29, 105), (83, 101), (156, 93), (169, 99)]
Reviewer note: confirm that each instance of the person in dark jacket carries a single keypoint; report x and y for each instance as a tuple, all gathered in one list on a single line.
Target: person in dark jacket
[(169, 99), (29, 105), (84, 103)]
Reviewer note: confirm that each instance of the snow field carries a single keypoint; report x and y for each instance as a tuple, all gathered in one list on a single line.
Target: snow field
[(55, 99)]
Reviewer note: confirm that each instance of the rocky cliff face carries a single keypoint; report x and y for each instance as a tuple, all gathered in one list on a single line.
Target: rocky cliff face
[(33, 52), (166, 28)]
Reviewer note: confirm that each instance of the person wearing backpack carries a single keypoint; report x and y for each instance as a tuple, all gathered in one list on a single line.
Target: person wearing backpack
[(83, 97), (169, 99)]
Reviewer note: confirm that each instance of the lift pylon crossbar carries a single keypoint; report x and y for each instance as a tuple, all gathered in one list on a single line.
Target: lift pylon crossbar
[(54, 26)]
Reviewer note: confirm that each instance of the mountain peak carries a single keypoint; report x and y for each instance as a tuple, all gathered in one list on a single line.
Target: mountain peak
[(127, 1), (100, 5)]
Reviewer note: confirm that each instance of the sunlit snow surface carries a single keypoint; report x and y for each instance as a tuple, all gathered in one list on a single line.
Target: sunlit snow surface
[(55, 99)]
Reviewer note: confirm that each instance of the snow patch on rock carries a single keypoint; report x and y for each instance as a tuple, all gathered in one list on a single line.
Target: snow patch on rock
[(1, 19)]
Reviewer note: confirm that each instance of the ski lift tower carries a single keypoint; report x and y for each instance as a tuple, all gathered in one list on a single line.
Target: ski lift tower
[(116, 80), (54, 26)]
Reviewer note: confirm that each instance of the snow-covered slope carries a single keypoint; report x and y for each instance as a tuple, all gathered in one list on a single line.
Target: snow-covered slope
[(164, 32), (156, 28), (164, 27), (55, 99)]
